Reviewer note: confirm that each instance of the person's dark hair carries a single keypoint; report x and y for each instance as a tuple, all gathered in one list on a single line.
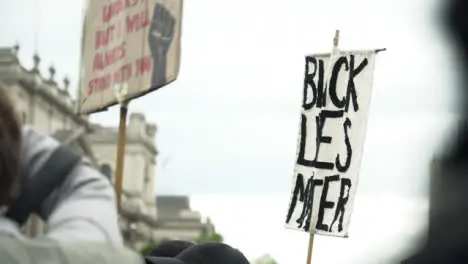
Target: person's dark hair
[(212, 253), (10, 148), (170, 248)]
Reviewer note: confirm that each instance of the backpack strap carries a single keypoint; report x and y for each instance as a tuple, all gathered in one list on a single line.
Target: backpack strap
[(38, 187)]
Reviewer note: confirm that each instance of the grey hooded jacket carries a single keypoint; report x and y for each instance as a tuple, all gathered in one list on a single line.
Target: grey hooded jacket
[(81, 214)]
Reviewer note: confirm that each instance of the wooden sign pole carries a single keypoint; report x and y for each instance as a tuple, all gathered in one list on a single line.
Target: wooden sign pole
[(119, 166), (311, 233), (311, 246)]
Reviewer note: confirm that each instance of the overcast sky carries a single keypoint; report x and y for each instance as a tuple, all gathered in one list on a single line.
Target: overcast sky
[(228, 125)]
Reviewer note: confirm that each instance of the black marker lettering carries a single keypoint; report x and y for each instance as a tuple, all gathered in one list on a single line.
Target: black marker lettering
[(301, 160), (319, 93), (320, 138), (308, 204), (351, 89), (309, 81), (349, 150), (324, 204), (298, 194), (339, 103), (342, 201), (322, 91)]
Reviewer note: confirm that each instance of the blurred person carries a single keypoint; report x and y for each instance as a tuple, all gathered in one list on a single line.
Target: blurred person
[(39, 176), (205, 253), (212, 253), (447, 236), (10, 150), (170, 248)]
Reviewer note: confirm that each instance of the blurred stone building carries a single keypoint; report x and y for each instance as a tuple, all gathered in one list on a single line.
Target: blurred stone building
[(178, 221), (47, 105)]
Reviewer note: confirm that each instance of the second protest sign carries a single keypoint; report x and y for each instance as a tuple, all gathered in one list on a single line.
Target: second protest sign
[(128, 43)]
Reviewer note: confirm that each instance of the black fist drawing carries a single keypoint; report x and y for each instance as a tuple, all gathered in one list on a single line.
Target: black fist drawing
[(160, 37)]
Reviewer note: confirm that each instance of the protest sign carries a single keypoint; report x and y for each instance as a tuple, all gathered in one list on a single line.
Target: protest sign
[(130, 44), (332, 131)]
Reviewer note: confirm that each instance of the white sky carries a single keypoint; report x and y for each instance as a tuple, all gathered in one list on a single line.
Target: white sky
[(228, 125), (381, 227)]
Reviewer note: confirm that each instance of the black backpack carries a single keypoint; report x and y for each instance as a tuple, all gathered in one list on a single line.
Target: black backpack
[(36, 189)]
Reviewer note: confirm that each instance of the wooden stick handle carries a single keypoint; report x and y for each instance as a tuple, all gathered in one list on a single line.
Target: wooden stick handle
[(336, 39), (311, 246), (120, 159)]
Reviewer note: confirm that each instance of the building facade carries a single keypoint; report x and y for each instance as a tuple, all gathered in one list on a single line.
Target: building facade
[(138, 206), (178, 221), (46, 104)]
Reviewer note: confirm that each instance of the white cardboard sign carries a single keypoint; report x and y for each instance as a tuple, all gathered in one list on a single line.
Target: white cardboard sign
[(331, 138)]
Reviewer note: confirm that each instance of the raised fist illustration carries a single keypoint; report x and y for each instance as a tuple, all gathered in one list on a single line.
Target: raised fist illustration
[(160, 37)]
